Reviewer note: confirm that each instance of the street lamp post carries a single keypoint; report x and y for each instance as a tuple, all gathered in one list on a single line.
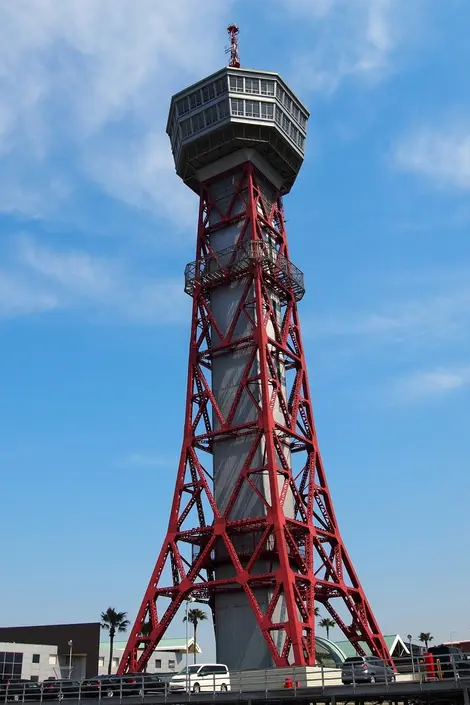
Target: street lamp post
[(70, 658), (189, 599), (409, 637)]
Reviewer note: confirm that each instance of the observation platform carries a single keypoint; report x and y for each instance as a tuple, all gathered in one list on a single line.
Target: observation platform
[(237, 261)]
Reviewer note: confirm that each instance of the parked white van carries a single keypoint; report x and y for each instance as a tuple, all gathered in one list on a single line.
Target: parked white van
[(201, 677)]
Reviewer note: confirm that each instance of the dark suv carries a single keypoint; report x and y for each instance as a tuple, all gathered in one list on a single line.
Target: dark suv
[(453, 663), (366, 669)]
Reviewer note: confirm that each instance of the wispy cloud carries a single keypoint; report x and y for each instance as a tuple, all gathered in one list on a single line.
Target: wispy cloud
[(351, 39), (438, 317), (18, 297), (73, 73), (426, 385), (41, 279), (141, 173), (441, 155)]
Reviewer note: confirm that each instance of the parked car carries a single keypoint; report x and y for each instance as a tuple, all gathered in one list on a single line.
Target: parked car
[(137, 684), (130, 684), (201, 677), (19, 690), (452, 661), (94, 687), (60, 689), (366, 669)]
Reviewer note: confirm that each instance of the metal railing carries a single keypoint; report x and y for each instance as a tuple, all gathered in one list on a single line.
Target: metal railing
[(410, 674), (236, 261)]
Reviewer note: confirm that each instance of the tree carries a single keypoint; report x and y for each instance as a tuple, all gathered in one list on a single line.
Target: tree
[(425, 638), (114, 622), (316, 612), (194, 617), (146, 629), (327, 623)]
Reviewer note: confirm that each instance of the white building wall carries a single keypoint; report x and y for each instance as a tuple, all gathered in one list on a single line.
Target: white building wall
[(39, 661), (160, 662)]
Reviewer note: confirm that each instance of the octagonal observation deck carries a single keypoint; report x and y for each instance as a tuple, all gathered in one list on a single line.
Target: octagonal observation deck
[(235, 110)]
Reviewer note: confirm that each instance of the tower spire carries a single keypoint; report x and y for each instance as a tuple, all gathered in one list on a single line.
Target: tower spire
[(233, 32)]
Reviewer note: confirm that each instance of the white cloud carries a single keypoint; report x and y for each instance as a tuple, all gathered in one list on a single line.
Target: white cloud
[(437, 317), (426, 385), (350, 38), (140, 172), (41, 279), (18, 297), (71, 73), (440, 155)]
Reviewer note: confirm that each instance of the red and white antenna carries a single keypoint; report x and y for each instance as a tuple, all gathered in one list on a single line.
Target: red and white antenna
[(233, 48)]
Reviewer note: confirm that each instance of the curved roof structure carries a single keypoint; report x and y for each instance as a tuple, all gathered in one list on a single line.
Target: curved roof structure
[(328, 653)]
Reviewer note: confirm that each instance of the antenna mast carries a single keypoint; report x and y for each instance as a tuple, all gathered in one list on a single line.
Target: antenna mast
[(233, 49)]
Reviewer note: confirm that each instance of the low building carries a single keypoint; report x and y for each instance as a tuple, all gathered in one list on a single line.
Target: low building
[(35, 662), (50, 651), (169, 656)]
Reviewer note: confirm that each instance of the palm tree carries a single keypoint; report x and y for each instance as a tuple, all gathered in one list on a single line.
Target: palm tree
[(425, 638), (114, 622), (327, 623), (316, 612), (195, 616), (146, 628)]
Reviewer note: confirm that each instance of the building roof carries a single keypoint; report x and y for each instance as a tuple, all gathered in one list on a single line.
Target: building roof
[(392, 640), (330, 646)]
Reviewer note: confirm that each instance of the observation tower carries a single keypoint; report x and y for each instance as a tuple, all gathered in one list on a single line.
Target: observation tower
[(252, 532)]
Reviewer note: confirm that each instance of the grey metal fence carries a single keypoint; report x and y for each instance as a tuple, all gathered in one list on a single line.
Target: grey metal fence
[(353, 675)]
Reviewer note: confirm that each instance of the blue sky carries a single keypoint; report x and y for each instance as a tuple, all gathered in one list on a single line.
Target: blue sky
[(95, 230)]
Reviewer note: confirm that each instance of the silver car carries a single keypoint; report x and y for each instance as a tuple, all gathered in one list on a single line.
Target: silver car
[(366, 669)]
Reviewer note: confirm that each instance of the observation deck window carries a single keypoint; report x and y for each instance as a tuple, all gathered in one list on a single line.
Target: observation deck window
[(236, 84), (186, 128), (267, 111), (223, 109), (183, 106), (195, 99), (220, 86), (252, 85), (267, 87), (252, 108), (208, 93), (197, 122), (210, 115), (237, 106)]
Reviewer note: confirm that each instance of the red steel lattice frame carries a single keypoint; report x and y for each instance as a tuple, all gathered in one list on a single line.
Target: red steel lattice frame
[(309, 562)]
